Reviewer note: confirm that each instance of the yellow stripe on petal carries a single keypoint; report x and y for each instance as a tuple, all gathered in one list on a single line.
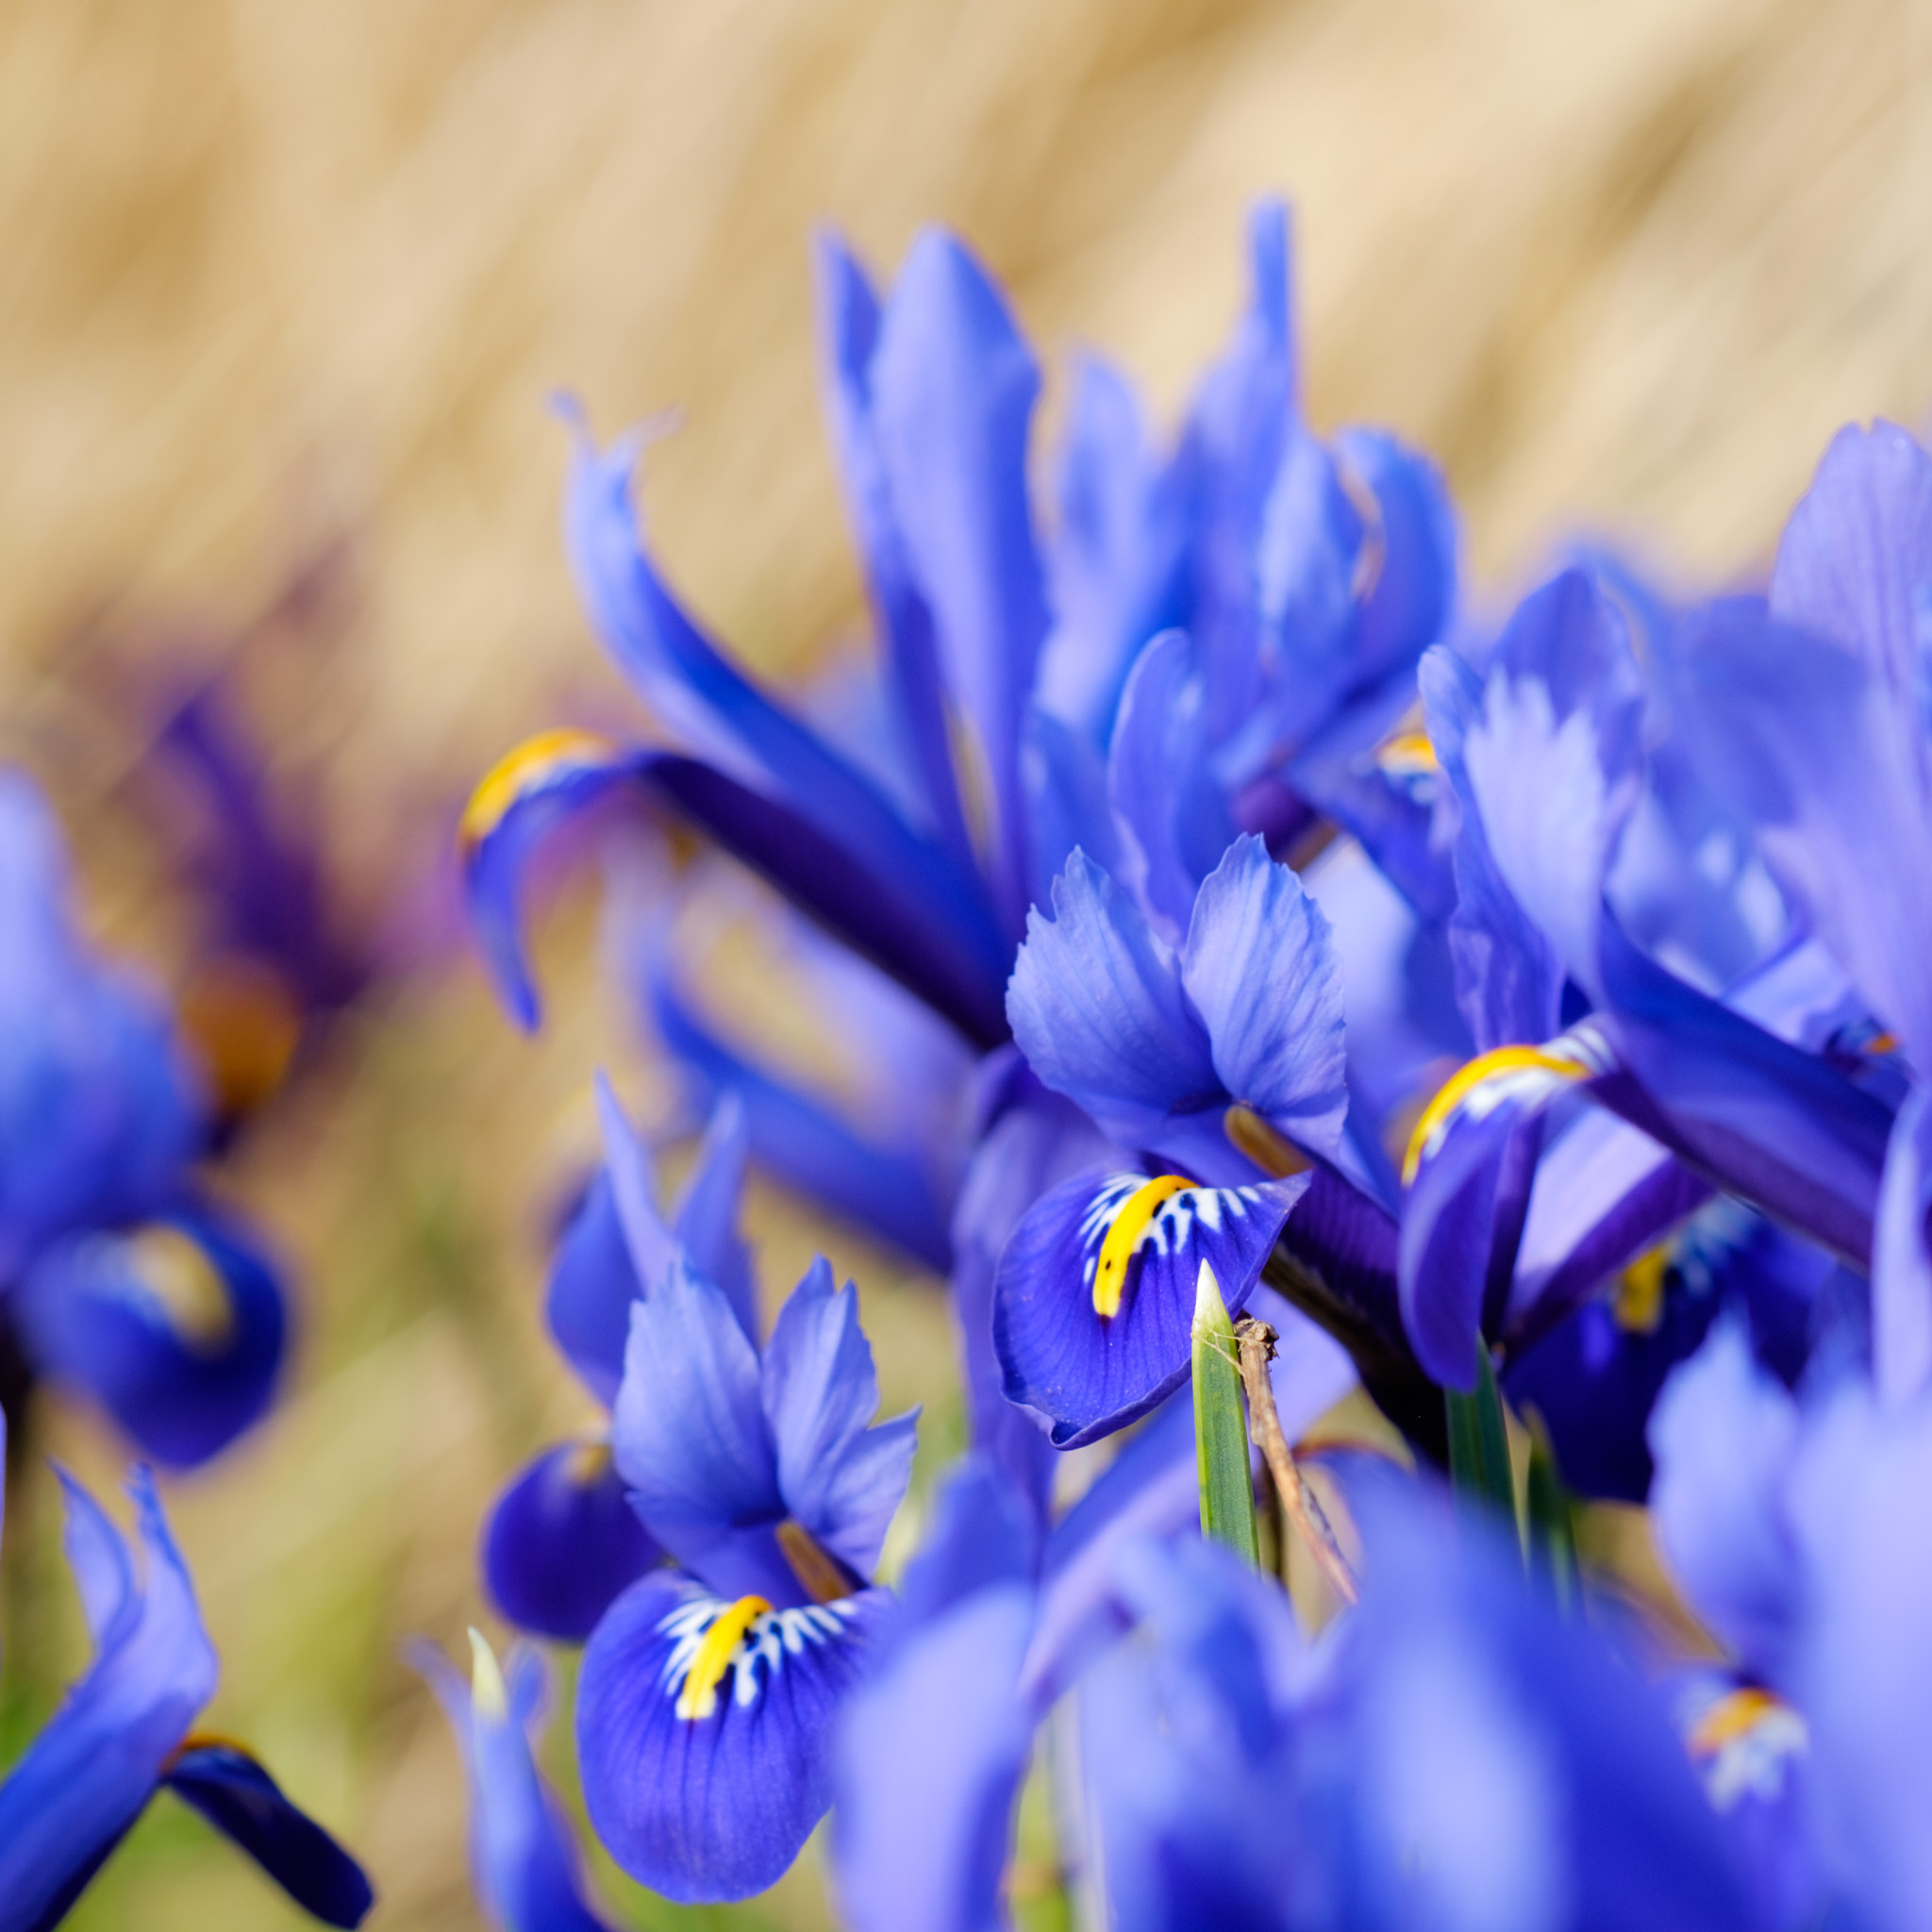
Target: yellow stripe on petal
[(1730, 1718), (1123, 1236), (519, 772), (1466, 1080), (1406, 753), (699, 1696)]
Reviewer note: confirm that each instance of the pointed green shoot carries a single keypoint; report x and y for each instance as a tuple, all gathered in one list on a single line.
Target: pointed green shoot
[(1221, 1428), (1478, 1443)]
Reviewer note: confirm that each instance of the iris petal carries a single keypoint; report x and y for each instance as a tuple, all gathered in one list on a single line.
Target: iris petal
[(563, 1542), (1085, 1373), (246, 1805), (713, 1807), (177, 1330)]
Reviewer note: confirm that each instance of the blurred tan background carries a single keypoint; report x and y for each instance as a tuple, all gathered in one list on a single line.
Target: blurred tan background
[(276, 277)]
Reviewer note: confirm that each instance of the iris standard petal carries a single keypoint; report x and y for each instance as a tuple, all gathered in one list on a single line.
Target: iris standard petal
[(1093, 1304), (1097, 1007), (563, 1542), (953, 385), (1166, 802), (593, 1284), (1261, 970), (84, 1780), (688, 1431), (706, 1218), (1118, 551), (245, 1804), (1067, 804), (704, 1731), (1413, 596), (177, 1329), (841, 1478), (849, 315), (1826, 759)]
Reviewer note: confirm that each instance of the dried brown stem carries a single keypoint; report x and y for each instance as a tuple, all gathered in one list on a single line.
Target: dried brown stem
[(1303, 1508)]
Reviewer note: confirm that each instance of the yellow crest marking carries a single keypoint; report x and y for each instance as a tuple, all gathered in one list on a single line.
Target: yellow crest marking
[(181, 1275), (1123, 1236), (699, 1696), (1639, 1305), (510, 776), (1731, 1717), (1408, 751), (1467, 1078)]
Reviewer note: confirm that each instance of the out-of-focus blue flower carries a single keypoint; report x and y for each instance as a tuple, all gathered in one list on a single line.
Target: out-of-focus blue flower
[(564, 1539), (124, 1732), (1812, 717), (176, 1328), (520, 1848), (1544, 759), (99, 1110), (115, 1278)]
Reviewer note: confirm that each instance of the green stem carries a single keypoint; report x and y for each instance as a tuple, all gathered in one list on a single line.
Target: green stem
[(1221, 1430), (1552, 1543), (1479, 1444)]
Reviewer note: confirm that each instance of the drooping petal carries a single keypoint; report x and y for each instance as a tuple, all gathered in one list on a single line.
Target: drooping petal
[(691, 1439), (177, 1329), (704, 1731), (1901, 1268), (563, 1542), (84, 1780), (1452, 1179), (953, 385), (1031, 1146), (1097, 1007), (841, 1478), (235, 1793), (531, 792), (1093, 1303), (1259, 969), (769, 788), (523, 1849)]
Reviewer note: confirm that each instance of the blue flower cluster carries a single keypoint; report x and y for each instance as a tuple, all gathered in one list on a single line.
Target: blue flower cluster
[(1202, 897), (122, 1279)]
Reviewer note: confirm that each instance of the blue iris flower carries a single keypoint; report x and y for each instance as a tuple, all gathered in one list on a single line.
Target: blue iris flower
[(709, 1685), (124, 1731), (1207, 638), (116, 1278), (564, 1539)]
